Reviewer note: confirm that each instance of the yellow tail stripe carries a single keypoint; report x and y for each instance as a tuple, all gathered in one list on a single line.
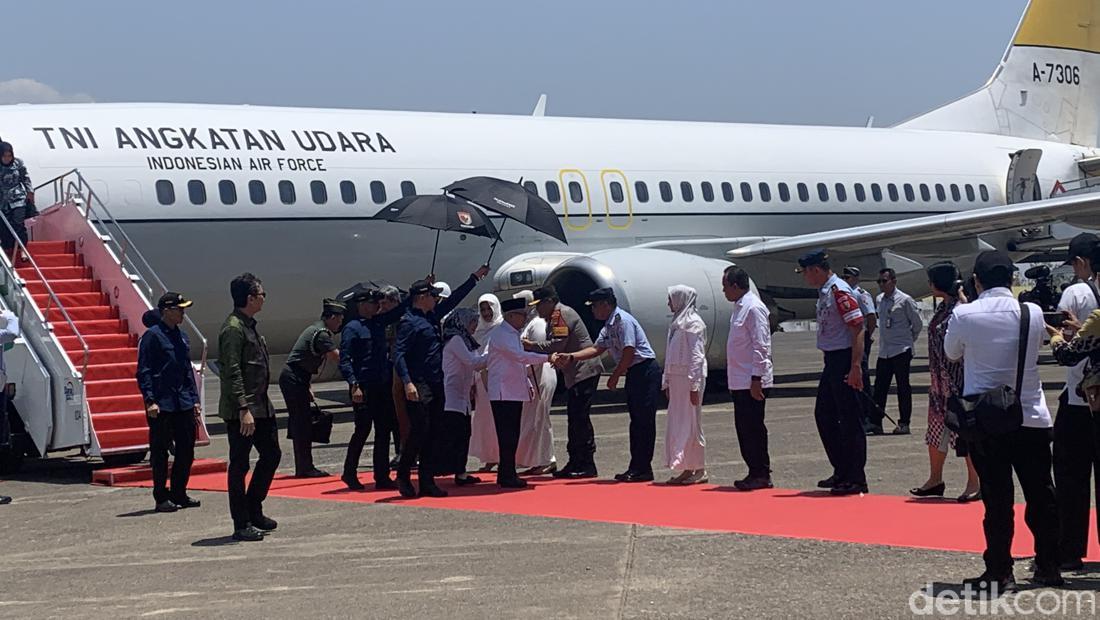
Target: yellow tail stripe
[(1067, 24)]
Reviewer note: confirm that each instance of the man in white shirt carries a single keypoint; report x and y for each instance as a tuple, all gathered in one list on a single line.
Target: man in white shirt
[(985, 334), (899, 326), (749, 375), (1075, 439), (510, 386)]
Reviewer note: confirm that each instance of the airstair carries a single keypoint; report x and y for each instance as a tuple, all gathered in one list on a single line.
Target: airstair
[(79, 289)]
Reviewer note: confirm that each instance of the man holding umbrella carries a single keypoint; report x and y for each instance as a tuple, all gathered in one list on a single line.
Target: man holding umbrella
[(418, 358)]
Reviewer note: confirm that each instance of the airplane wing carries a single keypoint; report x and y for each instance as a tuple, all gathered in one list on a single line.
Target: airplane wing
[(1080, 210)]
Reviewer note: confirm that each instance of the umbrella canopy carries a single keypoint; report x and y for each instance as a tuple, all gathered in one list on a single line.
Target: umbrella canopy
[(439, 212), (511, 200)]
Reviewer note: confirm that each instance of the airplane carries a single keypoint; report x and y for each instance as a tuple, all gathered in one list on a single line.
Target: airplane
[(210, 191)]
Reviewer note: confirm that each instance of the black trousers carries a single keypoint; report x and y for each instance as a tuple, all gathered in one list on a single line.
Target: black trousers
[(896, 367), (1027, 452), (452, 444), (506, 418), (295, 391), (247, 503), (582, 437), (425, 417), (752, 434), (838, 416), (177, 427), (1076, 458), (643, 392), (377, 410), (15, 218)]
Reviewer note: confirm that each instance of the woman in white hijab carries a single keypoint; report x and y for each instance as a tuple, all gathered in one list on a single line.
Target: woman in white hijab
[(483, 432), (536, 436), (684, 379)]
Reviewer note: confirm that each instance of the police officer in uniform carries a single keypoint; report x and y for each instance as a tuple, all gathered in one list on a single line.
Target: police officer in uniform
[(316, 344), (569, 335), (837, 412), (365, 365)]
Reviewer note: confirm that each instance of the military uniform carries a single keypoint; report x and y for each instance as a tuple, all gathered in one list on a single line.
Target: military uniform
[(244, 380), (15, 190), (304, 361)]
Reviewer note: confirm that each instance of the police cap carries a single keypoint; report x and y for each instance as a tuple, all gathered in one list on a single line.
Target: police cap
[(811, 259), (371, 295), (544, 292), (600, 294), (423, 287), (331, 306), (172, 299)]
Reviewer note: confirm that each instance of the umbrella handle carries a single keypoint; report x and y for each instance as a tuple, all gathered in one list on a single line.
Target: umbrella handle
[(493, 249), (435, 252)]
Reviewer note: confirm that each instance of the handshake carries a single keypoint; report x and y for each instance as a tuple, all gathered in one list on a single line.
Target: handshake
[(561, 360)]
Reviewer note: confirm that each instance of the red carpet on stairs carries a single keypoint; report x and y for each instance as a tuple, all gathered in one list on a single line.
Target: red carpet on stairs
[(816, 515), (114, 401)]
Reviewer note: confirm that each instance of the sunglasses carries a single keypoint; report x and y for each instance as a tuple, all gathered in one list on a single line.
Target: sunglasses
[(883, 280)]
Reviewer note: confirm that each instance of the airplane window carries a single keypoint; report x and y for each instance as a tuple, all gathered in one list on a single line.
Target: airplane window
[(196, 191), (955, 195), (765, 192), (970, 192), (257, 192), (727, 192), (319, 191), (408, 188), (984, 192), (166, 192), (841, 193), (893, 191), (803, 192), (925, 193), (708, 191), (378, 192), (784, 192), (531, 186), (876, 192), (227, 190), (553, 195), (861, 194), (746, 192), (616, 191), (823, 192), (687, 191), (286, 192), (641, 191), (666, 191), (909, 194), (347, 192), (575, 193), (941, 193)]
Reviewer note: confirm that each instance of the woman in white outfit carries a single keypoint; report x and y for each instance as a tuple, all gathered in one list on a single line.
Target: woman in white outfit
[(536, 436), (463, 359), (483, 435), (684, 379)]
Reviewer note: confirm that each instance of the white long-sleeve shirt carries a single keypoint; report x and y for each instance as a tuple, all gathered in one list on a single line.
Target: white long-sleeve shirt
[(9, 331), (686, 356), (749, 346), (460, 366), (899, 324), (508, 362), (985, 334)]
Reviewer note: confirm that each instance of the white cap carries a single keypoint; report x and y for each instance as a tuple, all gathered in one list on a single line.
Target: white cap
[(445, 289)]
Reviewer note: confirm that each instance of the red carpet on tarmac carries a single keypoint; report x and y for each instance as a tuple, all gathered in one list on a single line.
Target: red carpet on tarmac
[(871, 519)]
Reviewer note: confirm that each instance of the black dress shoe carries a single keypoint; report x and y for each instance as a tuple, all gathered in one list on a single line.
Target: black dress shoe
[(966, 498), (384, 484), (564, 471), (468, 480), (313, 473), (431, 490), (5, 499), (848, 488), (753, 484), (248, 534), (264, 523), (987, 583), (512, 483), (406, 488), (933, 491), (166, 506), (352, 482), (633, 476), (873, 429), (580, 474), (187, 502), (829, 482), (1048, 578)]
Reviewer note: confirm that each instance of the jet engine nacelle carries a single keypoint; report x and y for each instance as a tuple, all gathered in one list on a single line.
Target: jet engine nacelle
[(640, 278)]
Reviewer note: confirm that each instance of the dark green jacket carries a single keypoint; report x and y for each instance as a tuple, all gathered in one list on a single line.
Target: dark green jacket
[(243, 361)]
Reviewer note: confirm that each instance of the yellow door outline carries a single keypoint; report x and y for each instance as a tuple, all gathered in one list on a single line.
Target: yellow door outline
[(619, 176), (566, 198)]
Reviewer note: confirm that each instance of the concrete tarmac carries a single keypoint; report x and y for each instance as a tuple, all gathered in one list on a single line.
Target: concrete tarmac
[(72, 549)]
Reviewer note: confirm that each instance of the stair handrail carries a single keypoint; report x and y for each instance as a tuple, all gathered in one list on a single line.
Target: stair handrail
[(9, 267), (65, 188)]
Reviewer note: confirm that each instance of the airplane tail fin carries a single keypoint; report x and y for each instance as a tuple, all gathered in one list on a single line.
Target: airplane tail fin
[(1047, 86)]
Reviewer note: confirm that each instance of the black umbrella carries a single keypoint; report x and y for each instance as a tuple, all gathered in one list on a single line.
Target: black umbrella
[(439, 212), (511, 200)]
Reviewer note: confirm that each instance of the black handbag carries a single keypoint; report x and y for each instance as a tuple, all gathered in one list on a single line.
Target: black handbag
[(994, 412), (320, 425)]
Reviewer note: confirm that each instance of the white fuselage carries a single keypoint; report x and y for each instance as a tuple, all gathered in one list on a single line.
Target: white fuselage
[(305, 248)]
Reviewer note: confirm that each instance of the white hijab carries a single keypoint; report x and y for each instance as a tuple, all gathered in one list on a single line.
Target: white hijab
[(483, 326), (683, 300)]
